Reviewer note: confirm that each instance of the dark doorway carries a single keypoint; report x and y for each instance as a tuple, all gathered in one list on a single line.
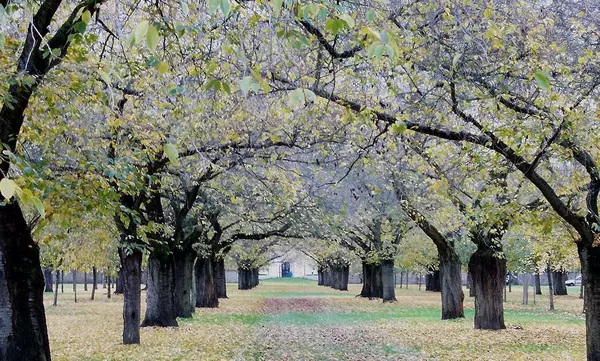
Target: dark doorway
[(286, 270)]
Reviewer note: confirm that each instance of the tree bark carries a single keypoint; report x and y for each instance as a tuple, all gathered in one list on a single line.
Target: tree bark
[(488, 272), (589, 255), (23, 333), (85, 282), (109, 284), (538, 285), (550, 288), (526, 288), (320, 277), (184, 302), (48, 280), (62, 281), (451, 286), (206, 291), (119, 287), (160, 307), (372, 281), (131, 279), (74, 274), (432, 282), (94, 282), (559, 280), (388, 281), (345, 275), (55, 303), (255, 279), (220, 279)]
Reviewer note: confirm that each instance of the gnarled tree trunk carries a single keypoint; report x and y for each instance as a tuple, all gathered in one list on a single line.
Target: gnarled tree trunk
[(433, 281), (183, 300), (320, 276), (131, 278), (48, 280), (160, 307), (23, 333), (206, 291), (451, 285), (488, 271), (220, 279), (589, 255), (388, 281), (559, 280), (372, 281)]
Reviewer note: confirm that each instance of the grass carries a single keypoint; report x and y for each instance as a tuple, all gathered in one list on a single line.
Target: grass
[(294, 319)]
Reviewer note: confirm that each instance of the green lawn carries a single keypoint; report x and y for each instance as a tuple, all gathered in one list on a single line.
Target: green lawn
[(294, 319)]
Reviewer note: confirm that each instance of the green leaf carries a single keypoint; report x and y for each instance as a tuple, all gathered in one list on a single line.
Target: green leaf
[(542, 80), (162, 67), (399, 127), (277, 5), (225, 7), (86, 17), (335, 26), (104, 76), (140, 31), (152, 38), (348, 19), (171, 152), (245, 84), (213, 5), (8, 187), (39, 206), (455, 60), (80, 27)]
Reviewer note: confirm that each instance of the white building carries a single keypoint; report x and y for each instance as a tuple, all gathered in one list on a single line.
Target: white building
[(292, 264)]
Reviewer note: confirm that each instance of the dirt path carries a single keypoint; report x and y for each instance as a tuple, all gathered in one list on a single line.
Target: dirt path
[(300, 330)]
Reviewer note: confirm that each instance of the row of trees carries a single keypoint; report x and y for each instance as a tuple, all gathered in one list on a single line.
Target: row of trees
[(188, 132)]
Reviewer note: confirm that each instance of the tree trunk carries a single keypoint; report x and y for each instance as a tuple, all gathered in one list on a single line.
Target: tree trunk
[(526, 288), (432, 282), (94, 282), (488, 272), (538, 284), (550, 288), (108, 284), (104, 280), (372, 281), (85, 283), (160, 308), (74, 275), (559, 280), (243, 279), (470, 285), (48, 280), (320, 277), (131, 279), (206, 291), (255, 279), (387, 277), (62, 281), (220, 279), (345, 276), (589, 256), (451, 286), (55, 303), (184, 303), (119, 287), (23, 333)]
